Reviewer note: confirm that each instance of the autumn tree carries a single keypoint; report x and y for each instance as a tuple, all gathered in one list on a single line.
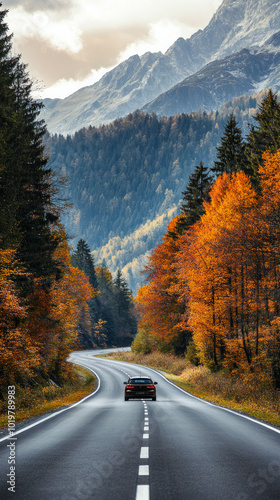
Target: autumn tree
[(57, 313), (269, 219), (159, 302), (214, 260), (19, 356)]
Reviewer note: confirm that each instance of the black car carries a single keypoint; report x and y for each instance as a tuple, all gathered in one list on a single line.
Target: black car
[(140, 387)]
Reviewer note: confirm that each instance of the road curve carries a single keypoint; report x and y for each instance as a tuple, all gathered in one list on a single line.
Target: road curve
[(177, 448)]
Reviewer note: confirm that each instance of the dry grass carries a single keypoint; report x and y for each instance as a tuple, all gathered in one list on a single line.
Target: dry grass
[(34, 402), (251, 394), (157, 360)]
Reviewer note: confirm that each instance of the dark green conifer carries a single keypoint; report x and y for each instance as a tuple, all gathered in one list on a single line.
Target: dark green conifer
[(196, 192), (230, 154), (83, 259), (265, 136), (27, 212), (126, 325)]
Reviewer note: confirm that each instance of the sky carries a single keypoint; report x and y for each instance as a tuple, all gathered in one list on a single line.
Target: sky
[(69, 44)]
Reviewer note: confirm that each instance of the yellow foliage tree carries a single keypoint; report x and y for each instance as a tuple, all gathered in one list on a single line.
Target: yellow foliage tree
[(19, 356), (214, 261), (56, 313), (159, 302)]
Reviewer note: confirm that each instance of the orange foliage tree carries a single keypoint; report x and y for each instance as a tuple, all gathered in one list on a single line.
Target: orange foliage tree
[(159, 302), (269, 217), (230, 261), (19, 355), (56, 313), (214, 260)]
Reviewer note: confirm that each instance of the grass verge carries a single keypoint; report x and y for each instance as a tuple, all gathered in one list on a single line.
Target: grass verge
[(33, 402), (252, 396)]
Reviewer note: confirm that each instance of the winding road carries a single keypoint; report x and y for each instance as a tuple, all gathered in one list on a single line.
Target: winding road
[(177, 448)]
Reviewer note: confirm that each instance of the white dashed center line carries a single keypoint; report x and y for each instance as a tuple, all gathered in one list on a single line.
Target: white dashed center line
[(144, 453), (143, 470), (143, 492)]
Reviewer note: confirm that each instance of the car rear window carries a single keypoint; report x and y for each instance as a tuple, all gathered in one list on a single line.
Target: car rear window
[(141, 381)]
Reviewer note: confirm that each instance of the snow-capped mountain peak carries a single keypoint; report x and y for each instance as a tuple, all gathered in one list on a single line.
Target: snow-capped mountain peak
[(237, 24)]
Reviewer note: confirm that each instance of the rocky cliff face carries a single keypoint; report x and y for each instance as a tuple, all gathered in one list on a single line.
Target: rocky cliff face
[(244, 72), (236, 25)]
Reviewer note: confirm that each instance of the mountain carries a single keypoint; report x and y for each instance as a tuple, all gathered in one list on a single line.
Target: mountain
[(244, 72), (237, 24)]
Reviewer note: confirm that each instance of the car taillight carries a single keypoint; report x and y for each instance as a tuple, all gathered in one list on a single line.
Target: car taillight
[(130, 386), (150, 386)]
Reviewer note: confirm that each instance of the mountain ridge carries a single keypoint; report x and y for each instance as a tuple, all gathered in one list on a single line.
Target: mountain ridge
[(140, 79), (243, 72)]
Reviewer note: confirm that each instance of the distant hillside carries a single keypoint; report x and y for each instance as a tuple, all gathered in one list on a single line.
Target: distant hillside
[(126, 177)]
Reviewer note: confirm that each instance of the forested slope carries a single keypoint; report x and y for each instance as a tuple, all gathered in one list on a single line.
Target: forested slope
[(133, 171)]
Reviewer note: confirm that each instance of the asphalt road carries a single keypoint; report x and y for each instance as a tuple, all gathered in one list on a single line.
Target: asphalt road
[(177, 448)]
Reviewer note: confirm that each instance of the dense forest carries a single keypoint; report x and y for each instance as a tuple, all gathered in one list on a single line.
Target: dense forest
[(51, 301), (133, 171), (213, 283), (111, 309)]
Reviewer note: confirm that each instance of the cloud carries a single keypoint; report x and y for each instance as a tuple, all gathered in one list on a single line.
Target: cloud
[(61, 33), (66, 41), (34, 5), (159, 38)]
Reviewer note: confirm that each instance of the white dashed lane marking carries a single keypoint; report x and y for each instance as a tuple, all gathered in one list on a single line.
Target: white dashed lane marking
[(143, 492), (144, 453), (143, 470)]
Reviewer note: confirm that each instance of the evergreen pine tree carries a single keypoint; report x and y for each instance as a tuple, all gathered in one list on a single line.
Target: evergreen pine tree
[(230, 153), (27, 212), (83, 259), (196, 192), (106, 300), (8, 227), (265, 136), (126, 327)]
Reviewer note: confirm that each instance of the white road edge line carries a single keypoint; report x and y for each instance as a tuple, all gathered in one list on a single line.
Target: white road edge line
[(60, 411), (216, 406), (203, 400)]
